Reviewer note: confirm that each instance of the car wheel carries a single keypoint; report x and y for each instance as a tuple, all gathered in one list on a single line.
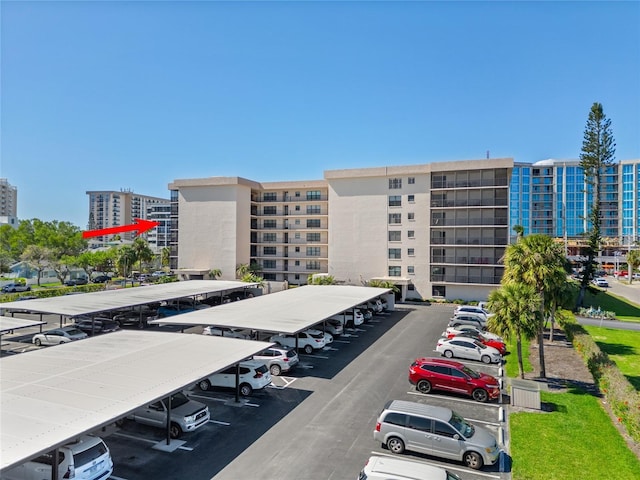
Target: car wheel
[(395, 445), (448, 353), (38, 342), (486, 359), (245, 390), (174, 430), (308, 349), (275, 369), (473, 460), (480, 395), (204, 384), (423, 386)]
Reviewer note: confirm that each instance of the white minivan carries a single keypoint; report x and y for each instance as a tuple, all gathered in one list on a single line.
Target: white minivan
[(386, 468), (88, 458)]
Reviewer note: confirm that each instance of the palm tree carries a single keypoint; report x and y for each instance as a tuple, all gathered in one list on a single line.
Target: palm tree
[(519, 229), (320, 280), (142, 251), (165, 256), (383, 284), (633, 261), (215, 273), (516, 308), (126, 259), (537, 261)]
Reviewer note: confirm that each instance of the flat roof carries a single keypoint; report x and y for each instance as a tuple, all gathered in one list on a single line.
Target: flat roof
[(94, 302), (52, 395), (8, 324), (289, 311)]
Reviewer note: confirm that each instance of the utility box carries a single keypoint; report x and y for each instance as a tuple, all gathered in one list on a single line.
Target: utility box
[(525, 393)]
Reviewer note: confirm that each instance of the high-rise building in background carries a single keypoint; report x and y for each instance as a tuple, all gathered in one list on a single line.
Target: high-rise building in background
[(8, 203), (109, 208)]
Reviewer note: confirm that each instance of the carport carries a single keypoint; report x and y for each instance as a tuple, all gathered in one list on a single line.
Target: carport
[(53, 395), (290, 311), (9, 324), (96, 302)]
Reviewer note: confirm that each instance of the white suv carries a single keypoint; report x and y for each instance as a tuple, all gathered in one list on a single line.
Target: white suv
[(254, 375), (278, 359), (308, 342), (87, 457)]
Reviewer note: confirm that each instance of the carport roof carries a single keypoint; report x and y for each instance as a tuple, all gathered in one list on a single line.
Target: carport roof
[(51, 396), (87, 303), (8, 324), (289, 311)]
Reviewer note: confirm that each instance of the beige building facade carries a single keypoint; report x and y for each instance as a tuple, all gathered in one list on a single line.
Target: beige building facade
[(434, 230)]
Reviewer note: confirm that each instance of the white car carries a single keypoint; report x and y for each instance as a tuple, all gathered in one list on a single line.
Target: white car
[(328, 338), (254, 375), (331, 325), (462, 309), (227, 332), (278, 359), (462, 347), (350, 318), (471, 328), (58, 336), (306, 341), (601, 282), (86, 457)]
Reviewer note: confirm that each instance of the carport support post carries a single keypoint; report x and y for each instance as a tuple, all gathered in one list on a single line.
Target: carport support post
[(169, 420), (54, 461), (237, 383)]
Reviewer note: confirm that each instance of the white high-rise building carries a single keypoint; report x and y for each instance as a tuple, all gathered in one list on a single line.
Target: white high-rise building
[(8, 203)]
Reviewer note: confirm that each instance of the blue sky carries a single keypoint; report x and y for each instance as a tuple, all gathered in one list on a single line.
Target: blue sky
[(110, 95)]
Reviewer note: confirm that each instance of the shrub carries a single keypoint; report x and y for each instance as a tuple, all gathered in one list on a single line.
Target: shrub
[(623, 399)]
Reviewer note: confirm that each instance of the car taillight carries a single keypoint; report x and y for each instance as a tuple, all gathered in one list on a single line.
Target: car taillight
[(71, 472), (318, 340), (285, 359), (378, 427), (257, 375)]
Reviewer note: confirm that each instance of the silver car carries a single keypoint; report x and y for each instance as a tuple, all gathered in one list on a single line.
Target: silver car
[(435, 431), (277, 359), (58, 336), (464, 347)]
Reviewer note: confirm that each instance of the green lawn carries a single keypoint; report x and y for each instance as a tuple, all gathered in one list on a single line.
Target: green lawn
[(623, 347), (575, 441), (625, 310), (512, 358)]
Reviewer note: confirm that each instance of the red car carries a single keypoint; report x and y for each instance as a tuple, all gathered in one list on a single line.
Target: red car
[(429, 374), (489, 342)]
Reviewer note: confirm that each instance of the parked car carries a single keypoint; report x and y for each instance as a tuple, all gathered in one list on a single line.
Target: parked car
[(15, 287), (58, 335), (388, 468), (461, 328), (306, 341), (328, 338), (101, 279), (366, 312), (136, 318), (331, 325), (464, 319), (88, 457), (71, 282), (350, 318), (489, 342), (436, 431), (473, 309), (429, 374), (375, 305), (254, 375), (174, 309), (92, 326), (469, 348), (277, 359), (601, 282), (186, 415), (227, 332)]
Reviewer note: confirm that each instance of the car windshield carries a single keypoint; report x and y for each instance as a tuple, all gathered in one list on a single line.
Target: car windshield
[(461, 425), (471, 373), (178, 399)]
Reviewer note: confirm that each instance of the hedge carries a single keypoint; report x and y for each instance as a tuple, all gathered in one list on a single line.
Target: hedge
[(623, 399)]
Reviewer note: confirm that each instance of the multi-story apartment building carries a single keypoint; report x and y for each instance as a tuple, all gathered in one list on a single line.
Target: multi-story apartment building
[(109, 208), (433, 230), (8, 203), (630, 202)]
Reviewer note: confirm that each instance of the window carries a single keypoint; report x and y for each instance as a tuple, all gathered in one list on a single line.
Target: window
[(395, 218), (297, 194), (313, 237), (395, 183), (313, 195), (313, 265), (269, 224), (395, 201), (411, 180), (444, 429), (269, 276), (269, 196), (270, 210), (313, 223), (269, 250), (297, 263), (296, 276), (439, 291), (313, 209), (411, 216), (313, 251), (395, 236), (297, 249), (410, 269), (395, 271), (393, 418), (269, 264), (419, 423), (394, 253), (268, 237), (411, 252), (411, 234), (297, 208), (297, 235), (411, 198)]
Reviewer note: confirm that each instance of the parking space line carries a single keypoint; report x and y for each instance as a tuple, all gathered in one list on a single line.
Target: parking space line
[(437, 464), (471, 362), (341, 341), (116, 478), (188, 449), (448, 397), (316, 356), (482, 421), (131, 437), (251, 404), (218, 422)]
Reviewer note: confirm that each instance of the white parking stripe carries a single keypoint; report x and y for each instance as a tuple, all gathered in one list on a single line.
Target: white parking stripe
[(482, 421), (132, 437), (472, 362), (441, 465), (341, 341), (448, 397)]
